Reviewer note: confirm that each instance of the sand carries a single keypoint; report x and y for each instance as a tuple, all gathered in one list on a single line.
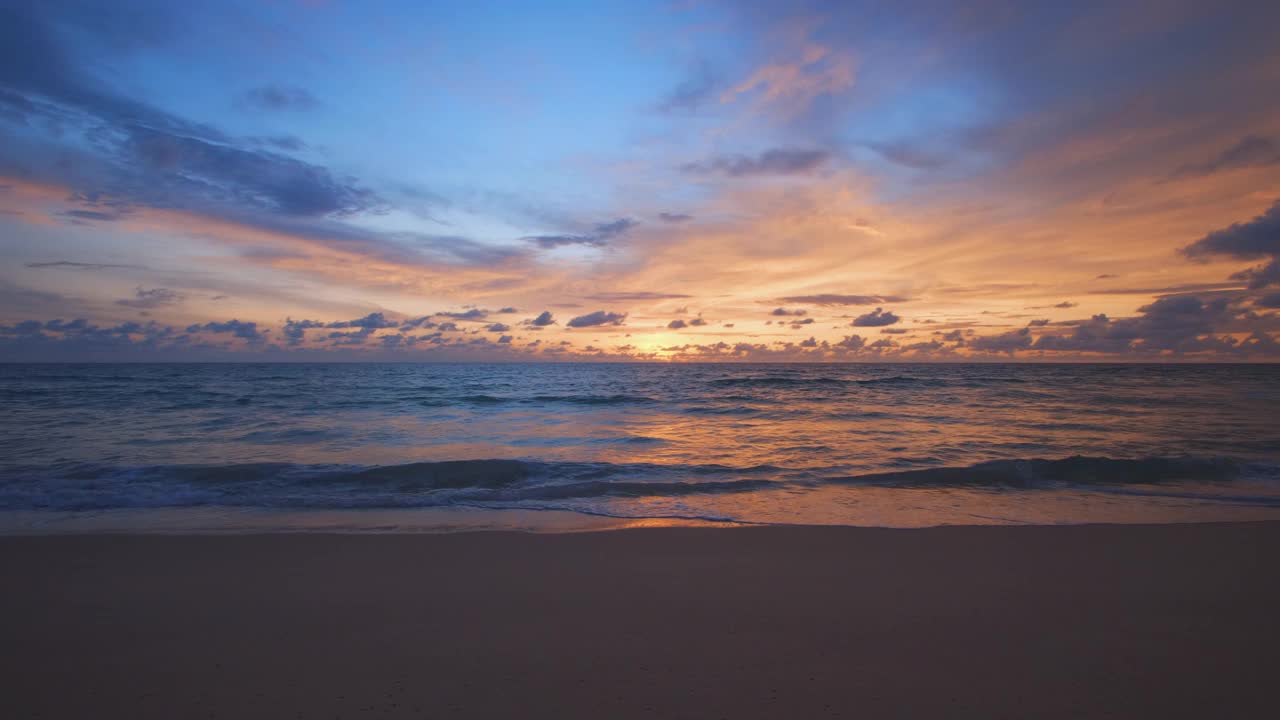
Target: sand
[(982, 622)]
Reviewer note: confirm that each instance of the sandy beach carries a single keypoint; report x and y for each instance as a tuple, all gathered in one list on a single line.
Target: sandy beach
[(984, 622)]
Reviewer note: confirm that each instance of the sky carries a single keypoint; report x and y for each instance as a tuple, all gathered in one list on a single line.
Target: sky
[(611, 180)]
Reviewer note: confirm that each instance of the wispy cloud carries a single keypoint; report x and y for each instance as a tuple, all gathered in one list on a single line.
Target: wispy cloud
[(638, 296), (279, 98), (73, 265), (831, 299), (793, 84), (598, 236), (148, 299), (777, 161)]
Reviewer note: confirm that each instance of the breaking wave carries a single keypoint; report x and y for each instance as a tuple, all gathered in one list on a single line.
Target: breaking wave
[(505, 482)]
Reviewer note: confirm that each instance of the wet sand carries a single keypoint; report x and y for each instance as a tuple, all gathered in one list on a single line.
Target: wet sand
[(983, 622)]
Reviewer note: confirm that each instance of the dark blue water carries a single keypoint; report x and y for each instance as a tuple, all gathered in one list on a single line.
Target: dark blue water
[(845, 444)]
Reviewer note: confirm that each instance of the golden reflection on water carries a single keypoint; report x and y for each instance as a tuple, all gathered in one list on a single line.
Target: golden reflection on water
[(772, 444)]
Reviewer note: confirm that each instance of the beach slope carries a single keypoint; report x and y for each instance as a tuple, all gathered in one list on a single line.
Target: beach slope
[(983, 622)]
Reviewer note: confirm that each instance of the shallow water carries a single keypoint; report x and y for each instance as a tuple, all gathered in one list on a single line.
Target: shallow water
[(893, 444)]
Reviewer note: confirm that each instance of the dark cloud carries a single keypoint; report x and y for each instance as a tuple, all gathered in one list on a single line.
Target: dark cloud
[(355, 337), (697, 322), (279, 98), (62, 340), (617, 227), (778, 161), (507, 311), (116, 154), (830, 299), (1261, 276), (70, 265), (1170, 289), (851, 346), (1065, 304), (191, 167), (90, 215), (1178, 324), (1259, 237), (1252, 151), (927, 347), (543, 320), (782, 312), (80, 339), (39, 74), (247, 331), (474, 315), (147, 299), (1269, 301), (599, 317), (1038, 323), (852, 342), (372, 321), (415, 323), (634, 296), (674, 217), (677, 324), (1182, 323), (444, 248), (599, 236), (1009, 342), (295, 330), (876, 318), (96, 207), (1098, 334), (498, 328), (1252, 240)]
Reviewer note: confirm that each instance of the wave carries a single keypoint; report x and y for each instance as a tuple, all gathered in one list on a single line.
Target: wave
[(616, 399), (889, 381), (471, 482), (902, 380), (777, 382), (482, 399), (1075, 470)]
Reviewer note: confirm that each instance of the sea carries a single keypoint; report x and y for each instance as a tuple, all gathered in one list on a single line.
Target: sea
[(558, 447)]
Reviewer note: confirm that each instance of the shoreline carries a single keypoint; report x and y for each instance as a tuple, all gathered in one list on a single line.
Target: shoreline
[(226, 521), (217, 521), (995, 621)]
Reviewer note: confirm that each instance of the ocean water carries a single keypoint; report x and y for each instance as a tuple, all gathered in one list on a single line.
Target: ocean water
[(573, 446)]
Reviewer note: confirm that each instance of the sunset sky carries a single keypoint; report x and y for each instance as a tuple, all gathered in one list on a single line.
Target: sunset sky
[(329, 179)]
